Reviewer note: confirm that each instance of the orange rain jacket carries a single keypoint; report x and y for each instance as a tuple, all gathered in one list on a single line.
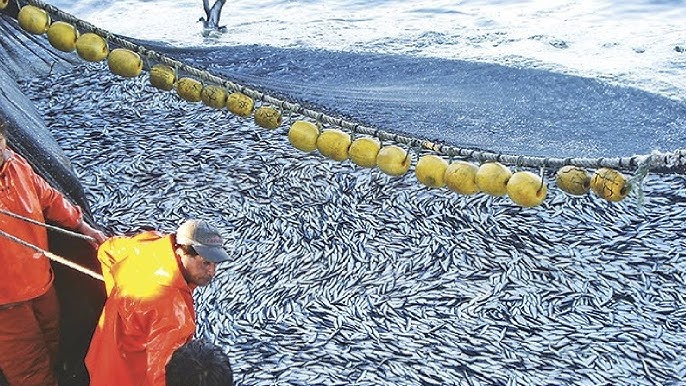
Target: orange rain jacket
[(148, 314), (24, 273)]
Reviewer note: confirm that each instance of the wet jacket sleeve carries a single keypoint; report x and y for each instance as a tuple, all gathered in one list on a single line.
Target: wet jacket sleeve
[(55, 206), (167, 333), (111, 252)]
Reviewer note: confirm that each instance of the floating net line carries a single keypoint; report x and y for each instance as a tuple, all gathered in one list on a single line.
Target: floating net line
[(669, 162)]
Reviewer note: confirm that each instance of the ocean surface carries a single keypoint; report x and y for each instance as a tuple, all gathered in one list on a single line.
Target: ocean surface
[(546, 78), (639, 43)]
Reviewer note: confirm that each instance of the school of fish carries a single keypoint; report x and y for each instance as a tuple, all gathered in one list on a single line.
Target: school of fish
[(346, 276)]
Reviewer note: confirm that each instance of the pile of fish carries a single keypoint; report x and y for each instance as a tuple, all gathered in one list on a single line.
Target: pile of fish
[(346, 276)]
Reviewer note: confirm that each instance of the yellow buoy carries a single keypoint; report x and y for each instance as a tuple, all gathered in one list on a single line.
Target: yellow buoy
[(268, 117), (430, 170), (162, 77), (492, 177), (3, 4), (334, 144), (92, 47), (573, 180), (214, 96), (393, 160), (363, 151), (303, 135), (33, 19), (240, 104), (63, 36), (189, 89), (460, 177), (526, 189), (610, 184), (125, 63)]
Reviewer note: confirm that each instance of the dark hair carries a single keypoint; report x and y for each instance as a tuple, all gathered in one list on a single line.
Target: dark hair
[(199, 363), (188, 249), (3, 129)]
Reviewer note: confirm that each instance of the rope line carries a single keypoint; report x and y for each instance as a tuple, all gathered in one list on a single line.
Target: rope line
[(54, 257), (636, 182), (51, 227), (669, 161)]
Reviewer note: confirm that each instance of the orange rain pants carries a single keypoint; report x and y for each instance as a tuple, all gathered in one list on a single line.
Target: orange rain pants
[(29, 334)]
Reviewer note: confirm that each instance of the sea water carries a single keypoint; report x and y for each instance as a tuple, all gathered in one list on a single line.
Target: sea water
[(638, 43)]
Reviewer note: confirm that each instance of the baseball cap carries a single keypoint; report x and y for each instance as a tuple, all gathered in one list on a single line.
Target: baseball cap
[(204, 238)]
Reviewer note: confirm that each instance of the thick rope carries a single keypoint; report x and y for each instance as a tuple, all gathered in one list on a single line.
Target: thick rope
[(48, 226), (636, 182), (54, 257), (669, 161)]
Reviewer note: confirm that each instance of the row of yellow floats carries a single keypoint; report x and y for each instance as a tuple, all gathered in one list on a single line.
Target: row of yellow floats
[(524, 188)]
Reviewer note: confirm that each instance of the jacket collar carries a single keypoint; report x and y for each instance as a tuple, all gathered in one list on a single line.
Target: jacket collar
[(169, 272)]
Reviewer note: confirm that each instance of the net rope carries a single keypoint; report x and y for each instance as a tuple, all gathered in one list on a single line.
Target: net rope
[(54, 257), (670, 162)]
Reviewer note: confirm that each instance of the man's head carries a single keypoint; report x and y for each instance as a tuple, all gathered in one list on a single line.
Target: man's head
[(198, 363), (200, 247)]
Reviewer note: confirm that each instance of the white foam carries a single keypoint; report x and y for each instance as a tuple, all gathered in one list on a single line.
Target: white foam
[(634, 44)]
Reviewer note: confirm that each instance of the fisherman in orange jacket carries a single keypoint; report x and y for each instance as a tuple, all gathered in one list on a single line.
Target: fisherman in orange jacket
[(149, 310), (29, 311)]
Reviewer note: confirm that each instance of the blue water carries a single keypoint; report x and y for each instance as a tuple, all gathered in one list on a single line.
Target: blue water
[(560, 78), (625, 42)]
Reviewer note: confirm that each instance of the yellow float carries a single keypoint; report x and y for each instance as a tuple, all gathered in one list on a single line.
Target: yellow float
[(393, 160), (240, 104), (214, 96), (92, 47), (492, 177), (63, 36), (189, 89), (460, 177), (334, 144), (303, 136), (430, 170), (268, 117), (125, 63), (363, 151), (162, 77), (526, 189), (3, 4), (33, 19), (610, 184), (573, 180)]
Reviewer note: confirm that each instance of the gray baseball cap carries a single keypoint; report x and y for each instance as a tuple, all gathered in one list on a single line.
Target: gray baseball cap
[(204, 238)]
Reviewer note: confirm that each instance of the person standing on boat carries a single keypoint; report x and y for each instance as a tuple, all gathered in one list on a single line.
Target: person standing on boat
[(29, 311), (149, 312)]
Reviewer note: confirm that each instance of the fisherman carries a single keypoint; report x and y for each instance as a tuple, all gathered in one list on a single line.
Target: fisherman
[(149, 313), (199, 363), (29, 311)]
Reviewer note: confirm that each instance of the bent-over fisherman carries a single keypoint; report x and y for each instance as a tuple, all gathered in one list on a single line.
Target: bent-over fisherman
[(149, 312)]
